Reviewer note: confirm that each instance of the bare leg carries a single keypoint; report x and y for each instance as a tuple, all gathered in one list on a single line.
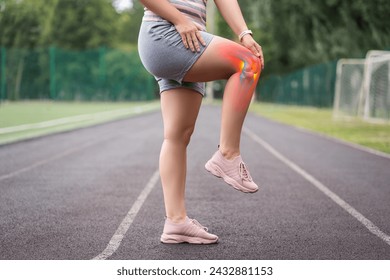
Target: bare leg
[(224, 59), (180, 108)]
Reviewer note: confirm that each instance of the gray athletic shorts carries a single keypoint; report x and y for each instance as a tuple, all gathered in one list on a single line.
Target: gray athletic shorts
[(163, 54)]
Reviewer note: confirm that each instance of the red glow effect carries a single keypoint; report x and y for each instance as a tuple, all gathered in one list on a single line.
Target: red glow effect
[(248, 68)]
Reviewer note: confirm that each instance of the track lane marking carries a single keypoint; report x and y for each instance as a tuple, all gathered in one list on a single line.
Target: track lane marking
[(120, 233), (325, 190)]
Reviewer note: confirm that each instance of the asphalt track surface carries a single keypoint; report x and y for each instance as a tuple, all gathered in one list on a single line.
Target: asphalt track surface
[(94, 193)]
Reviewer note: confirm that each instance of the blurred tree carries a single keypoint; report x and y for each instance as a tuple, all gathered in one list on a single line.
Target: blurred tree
[(20, 27), (19, 24), (71, 24), (293, 33), (48, 13), (297, 33), (307, 32), (129, 23), (82, 24)]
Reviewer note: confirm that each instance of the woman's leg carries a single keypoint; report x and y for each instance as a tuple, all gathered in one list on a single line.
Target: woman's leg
[(180, 108), (225, 59)]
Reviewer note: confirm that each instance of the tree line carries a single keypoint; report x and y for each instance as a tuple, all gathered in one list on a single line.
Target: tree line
[(293, 33), (70, 49), (298, 33), (67, 24)]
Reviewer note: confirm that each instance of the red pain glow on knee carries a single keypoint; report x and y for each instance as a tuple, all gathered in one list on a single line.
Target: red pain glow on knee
[(247, 70), (243, 60)]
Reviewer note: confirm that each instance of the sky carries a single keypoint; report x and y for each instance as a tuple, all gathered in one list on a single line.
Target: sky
[(121, 5)]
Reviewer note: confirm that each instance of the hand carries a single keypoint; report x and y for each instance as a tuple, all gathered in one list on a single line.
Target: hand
[(255, 48), (190, 35)]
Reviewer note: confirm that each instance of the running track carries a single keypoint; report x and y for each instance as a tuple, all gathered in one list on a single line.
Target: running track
[(95, 193)]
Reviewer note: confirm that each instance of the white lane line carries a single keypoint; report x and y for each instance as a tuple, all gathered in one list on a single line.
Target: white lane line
[(120, 233), (80, 118), (339, 201), (55, 157)]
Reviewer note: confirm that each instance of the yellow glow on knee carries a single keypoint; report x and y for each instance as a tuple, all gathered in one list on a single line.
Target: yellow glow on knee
[(255, 70), (242, 64), (255, 76), (249, 70)]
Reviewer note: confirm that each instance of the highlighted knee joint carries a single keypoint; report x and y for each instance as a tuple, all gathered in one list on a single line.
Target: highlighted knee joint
[(249, 70)]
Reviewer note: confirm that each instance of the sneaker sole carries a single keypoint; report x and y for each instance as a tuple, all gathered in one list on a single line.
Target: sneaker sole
[(216, 171), (176, 239)]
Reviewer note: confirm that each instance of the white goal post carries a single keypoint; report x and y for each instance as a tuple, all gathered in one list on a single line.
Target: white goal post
[(363, 88), (348, 89), (376, 86)]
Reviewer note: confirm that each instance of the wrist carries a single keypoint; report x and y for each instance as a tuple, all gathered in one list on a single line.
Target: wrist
[(244, 33), (178, 18)]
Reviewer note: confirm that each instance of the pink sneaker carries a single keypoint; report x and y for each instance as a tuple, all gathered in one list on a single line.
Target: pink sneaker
[(234, 172), (191, 231)]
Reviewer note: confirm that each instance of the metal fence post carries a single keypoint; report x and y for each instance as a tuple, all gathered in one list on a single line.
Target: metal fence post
[(102, 65), (101, 86), (3, 81), (52, 54)]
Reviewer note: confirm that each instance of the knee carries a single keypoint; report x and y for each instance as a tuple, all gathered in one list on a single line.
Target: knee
[(179, 135), (250, 68)]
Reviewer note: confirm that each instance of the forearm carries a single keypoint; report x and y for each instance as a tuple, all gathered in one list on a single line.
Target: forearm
[(165, 10), (232, 14)]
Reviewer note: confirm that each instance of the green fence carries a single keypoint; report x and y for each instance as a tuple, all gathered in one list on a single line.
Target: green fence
[(110, 75), (311, 86), (99, 74)]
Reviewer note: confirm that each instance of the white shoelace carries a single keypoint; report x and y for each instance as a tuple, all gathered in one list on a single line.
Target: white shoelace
[(244, 173), (195, 222)]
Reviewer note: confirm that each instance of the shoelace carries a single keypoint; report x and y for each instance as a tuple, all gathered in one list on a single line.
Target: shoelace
[(244, 173), (195, 222)]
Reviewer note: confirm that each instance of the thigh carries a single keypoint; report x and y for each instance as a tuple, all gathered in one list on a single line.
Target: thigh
[(180, 108), (163, 53), (220, 60)]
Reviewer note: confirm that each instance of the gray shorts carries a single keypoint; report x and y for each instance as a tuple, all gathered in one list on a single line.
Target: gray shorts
[(163, 54)]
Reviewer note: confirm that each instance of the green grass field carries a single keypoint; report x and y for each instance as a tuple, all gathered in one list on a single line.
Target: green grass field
[(375, 136), (17, 113), (34, 115)]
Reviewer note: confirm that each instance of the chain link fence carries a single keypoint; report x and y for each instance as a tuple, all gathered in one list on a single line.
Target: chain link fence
[(92, 75), (114, 75), (310, 86)]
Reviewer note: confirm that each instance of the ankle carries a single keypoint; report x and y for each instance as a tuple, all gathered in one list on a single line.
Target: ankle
[(229, 153), (177, 219)]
